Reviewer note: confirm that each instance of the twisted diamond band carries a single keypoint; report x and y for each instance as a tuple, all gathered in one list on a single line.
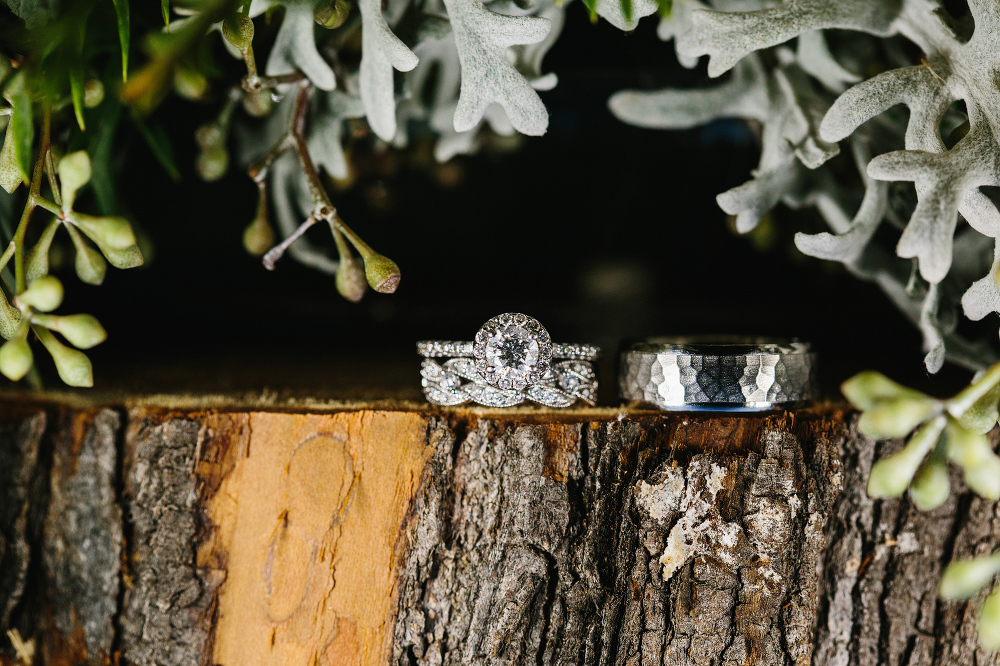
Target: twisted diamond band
[(717, 374), (511, 360)]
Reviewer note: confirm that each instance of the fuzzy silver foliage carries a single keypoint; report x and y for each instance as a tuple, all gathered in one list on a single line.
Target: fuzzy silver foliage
[(948, 253)]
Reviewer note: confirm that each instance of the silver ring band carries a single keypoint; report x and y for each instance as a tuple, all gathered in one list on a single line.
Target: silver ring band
[(727, 374), (454, 349), (511, 360)]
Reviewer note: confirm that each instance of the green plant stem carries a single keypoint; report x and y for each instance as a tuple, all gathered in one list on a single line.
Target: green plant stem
[(50, 171), (29, 206), (51, 206), (258, 170), (958, 405), (7, 254)]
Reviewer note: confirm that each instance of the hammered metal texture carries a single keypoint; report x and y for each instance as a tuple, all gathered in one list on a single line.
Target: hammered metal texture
[(755, 381)]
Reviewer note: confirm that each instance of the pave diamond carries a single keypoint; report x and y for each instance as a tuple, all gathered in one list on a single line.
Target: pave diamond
[(512, 351)]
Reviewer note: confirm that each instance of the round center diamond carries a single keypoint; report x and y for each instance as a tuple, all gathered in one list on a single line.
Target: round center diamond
[(513, 352)]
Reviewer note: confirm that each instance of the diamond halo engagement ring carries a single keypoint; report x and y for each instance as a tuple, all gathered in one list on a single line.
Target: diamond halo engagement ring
[(512, 359), (718, 374)]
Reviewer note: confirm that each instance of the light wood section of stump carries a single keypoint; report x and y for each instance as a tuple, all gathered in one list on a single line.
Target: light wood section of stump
[(179, 534)]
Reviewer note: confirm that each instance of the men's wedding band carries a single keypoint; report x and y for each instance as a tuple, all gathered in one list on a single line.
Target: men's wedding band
[(512, 359), (726, 374)]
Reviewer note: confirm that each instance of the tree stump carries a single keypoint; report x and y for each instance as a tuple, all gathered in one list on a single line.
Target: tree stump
[(185, 533)]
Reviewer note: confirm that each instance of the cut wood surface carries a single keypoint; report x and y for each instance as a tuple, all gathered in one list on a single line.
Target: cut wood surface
[(197, 530)]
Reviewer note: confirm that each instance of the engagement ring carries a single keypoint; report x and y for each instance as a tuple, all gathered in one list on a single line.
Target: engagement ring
[(724, 374), (512, 359)]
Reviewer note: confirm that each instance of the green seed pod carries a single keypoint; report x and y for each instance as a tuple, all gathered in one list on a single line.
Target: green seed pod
[(74, 172), (930, 486), (332, 13), (93, 93), (350, 279), (382, 273), (10, 173), (237, 29), (82, 330), (964, 578), (15, 358), (44, 294), (113, 232), (213, 163), (989, 622), (73, 366), (258, 104), (891, 475)]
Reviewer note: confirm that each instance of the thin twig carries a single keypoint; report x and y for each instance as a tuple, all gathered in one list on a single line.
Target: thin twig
[(277, 251)]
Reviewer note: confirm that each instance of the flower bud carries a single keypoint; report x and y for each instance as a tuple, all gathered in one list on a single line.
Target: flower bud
[(114, 232), (44, 294), (382, 273), (989, 622), (93, 93), (930, 486), (350, 279), (82, 330), (74, 172), (258, 104), (15, 358), (237, 29), (73, 366), (332, 13), (190, 83), (963, 578), (213, 163), (890, 476), (10, 172)]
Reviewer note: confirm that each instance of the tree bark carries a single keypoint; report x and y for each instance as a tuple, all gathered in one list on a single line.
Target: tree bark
[(184, 535)]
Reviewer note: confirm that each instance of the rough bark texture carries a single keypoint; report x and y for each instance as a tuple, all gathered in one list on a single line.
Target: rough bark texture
[(155, 536)]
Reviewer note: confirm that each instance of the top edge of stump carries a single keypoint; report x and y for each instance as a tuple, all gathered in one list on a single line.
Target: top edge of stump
[(272, 401)]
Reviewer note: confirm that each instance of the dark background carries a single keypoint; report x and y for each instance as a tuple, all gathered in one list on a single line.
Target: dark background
[(601, 230)]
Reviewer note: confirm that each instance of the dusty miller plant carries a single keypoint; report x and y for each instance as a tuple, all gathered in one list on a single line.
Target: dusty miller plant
[(802, 84)]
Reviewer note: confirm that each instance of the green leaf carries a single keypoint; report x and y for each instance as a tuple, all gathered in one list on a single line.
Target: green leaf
[(77, 79), (591, 6), (983, 414), (90, 265), (963, 578), (665, 7), (930, 486), (100, 147), (37, 262), (121, 10), (973, 453), (33, 12), (989, 621), (891, 475), (22, 124), (889, 419), (10, 172), (76, 83), (867, 388), (159, 143), (165, 9), (626, 9), (15, 359)]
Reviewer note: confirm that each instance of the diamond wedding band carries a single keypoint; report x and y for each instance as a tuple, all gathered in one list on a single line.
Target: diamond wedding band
[(726, 374), (512, 359)]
